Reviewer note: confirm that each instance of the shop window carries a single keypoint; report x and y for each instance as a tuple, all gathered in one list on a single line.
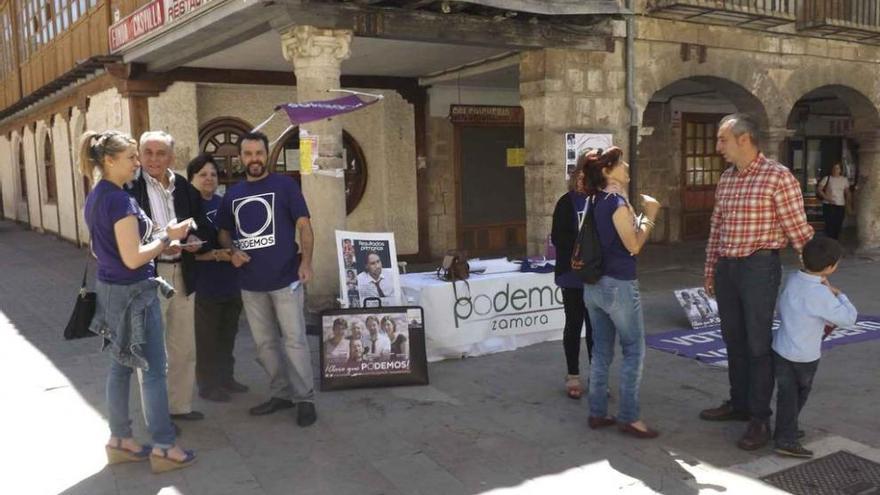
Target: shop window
[(285, 159), (220, 138), (22, 170), (49, 169)]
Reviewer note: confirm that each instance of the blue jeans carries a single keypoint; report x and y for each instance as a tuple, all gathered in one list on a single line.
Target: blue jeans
[(154, 388), (615, 308)]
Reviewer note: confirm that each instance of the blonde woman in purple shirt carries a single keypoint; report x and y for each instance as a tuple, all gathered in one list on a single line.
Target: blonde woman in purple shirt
[(125, 243)]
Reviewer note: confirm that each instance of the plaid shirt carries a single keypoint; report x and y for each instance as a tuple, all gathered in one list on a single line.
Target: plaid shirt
[(761, 207)]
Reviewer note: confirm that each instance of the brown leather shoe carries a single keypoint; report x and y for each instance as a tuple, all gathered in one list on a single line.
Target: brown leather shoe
[(756, 436), (599, 422), (724, 412), (629, 429)]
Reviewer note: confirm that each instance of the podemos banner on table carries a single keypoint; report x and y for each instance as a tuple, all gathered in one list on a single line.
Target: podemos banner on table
[(501, 306), (367, 268)]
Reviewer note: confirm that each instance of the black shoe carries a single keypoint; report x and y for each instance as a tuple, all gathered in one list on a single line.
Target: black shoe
[(270, 406), (235, 387), (215, 395), (190, 416), (795, 450), (306, 414)]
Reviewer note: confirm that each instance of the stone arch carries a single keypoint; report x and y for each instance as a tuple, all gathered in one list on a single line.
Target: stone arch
[(677, 159), (866, 122)]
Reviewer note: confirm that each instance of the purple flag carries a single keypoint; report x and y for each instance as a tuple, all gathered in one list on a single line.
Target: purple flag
[(300, 113)]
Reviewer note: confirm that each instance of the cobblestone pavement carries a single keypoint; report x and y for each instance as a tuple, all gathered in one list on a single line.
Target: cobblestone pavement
[(494, 424)]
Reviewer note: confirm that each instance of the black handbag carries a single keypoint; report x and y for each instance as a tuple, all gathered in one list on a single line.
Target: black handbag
[(83, 311), (586, 258)]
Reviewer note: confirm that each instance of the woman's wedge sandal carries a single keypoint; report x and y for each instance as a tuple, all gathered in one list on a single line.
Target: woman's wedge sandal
[(118, 454), (163, 463)]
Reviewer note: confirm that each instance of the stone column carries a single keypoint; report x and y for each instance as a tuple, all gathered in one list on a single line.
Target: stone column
[(317, 55), (773, 143), (867, 195), (564, 91)]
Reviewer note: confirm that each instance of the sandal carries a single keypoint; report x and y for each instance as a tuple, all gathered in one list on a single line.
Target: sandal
[(573, 386), (163, 463), (119, 454)]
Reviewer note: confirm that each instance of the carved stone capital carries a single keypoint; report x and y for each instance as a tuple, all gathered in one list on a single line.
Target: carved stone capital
[(309, 45)]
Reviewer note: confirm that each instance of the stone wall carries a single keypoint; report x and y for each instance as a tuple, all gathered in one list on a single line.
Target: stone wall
[(174, 111), (564, 91)]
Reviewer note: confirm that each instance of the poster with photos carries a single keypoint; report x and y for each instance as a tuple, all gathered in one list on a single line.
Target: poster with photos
[(578, 143), (367, 268), (373, 347), (700, 308)]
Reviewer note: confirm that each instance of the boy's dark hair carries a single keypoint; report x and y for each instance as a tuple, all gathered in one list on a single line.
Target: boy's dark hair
[(820, 253), (253, 136), (198, 163)]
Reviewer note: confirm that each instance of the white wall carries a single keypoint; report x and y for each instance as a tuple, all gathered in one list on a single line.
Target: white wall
[(77, 128), (7, 178), (64, 179)]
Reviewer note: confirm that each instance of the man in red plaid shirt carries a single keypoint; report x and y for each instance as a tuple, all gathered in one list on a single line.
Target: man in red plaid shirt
[(759, 209)]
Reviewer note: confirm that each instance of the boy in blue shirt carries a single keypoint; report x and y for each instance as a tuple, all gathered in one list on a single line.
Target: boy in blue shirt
[(806, 305)]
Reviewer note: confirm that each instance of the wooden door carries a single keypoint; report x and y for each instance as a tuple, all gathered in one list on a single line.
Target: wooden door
[(491, 195), (701, 168)]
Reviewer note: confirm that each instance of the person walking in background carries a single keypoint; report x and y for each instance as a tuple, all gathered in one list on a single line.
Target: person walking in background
[(218, 295), (759, 209), (259, 220), (613, 303), (806, 305), (833, 190), (563, 234), (166, 196), (127, 313)]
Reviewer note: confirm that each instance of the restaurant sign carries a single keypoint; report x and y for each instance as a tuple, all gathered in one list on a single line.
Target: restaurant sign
[(150, 18)]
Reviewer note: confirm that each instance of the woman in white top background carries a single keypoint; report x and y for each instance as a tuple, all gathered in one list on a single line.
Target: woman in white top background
[(834, 191)]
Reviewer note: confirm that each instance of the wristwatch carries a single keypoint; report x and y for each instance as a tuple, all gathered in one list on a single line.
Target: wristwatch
[(164, 239)]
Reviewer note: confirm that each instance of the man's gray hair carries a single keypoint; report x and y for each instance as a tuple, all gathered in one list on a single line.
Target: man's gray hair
[(742, 123), (157, 136)]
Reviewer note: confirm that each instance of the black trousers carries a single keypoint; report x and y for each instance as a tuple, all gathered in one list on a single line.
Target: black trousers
[(575, 318), (216, 325), (746, 289), (833, 216), (794, 382)]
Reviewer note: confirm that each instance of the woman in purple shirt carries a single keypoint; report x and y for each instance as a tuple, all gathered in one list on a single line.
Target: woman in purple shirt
[(218, 295), (613, 303), (127, 315)]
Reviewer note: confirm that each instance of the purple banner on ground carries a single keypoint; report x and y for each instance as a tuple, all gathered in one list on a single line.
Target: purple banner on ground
[(706, 345), (300, 113)]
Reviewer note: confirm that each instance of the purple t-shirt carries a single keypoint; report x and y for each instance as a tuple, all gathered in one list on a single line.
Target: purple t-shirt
[(261, 216), (617, 262), (215, 279), (106, 205)]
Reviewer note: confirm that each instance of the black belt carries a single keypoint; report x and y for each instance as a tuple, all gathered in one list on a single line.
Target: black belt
[(170, 262), (766, 252)]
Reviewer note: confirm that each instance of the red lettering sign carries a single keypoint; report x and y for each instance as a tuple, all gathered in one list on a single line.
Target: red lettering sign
[(144, 20)]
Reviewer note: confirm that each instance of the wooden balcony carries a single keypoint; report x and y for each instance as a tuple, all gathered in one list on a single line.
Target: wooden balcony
[(850, 20), (86, 38), (753, 14)]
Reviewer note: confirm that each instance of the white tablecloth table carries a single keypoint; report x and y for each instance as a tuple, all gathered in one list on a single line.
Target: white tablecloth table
[(491, 313)]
